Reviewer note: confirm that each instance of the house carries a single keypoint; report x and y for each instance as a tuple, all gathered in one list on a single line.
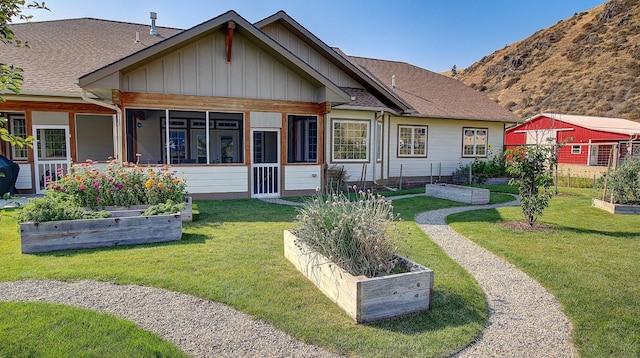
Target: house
[(586, 141), (240, 109)]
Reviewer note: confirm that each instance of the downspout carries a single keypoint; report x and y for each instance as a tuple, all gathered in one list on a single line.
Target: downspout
[(375, 145), (117, 123)]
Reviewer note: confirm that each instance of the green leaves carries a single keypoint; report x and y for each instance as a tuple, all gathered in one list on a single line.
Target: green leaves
[(532, 166)]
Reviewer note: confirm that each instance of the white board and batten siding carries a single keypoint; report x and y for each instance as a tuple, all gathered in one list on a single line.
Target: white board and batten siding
[(302, 177), (444, 146), (309, 55), (25, 175), (201, 69), (215, 179)]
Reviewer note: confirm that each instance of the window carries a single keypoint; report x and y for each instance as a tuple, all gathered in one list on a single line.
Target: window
[(302, 137), (177, 145), (189, 141), (474, 142), (52, 143), (19, 129), (576, 149), (412, 141), (350, 140)]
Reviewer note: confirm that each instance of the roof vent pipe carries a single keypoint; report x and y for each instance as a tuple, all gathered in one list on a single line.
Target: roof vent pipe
[(393, 81), (137, 37), (153, 31)]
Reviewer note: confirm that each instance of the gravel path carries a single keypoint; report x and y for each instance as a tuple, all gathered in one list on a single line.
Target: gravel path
[(525, 319), (199, 327)]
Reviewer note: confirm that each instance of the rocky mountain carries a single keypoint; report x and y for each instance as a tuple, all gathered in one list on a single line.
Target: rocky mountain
[(588, 64)]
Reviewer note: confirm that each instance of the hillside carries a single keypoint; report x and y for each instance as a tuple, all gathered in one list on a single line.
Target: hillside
[(588, 64)]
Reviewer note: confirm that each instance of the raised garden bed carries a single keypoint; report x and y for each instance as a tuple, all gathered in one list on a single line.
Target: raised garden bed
[(616, 208), (136, 210), (459, 193), (91, 233), (364, 299)]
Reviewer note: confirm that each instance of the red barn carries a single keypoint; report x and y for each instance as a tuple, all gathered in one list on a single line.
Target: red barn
[(587, 140)]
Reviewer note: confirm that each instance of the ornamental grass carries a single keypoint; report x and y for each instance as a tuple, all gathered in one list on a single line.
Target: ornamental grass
[(360, 236)]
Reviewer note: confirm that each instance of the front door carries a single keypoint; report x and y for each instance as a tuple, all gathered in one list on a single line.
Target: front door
[(51, 151), (265, 164)]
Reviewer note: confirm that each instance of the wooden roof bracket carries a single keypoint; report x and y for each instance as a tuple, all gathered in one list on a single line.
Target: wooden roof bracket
[(229, 39)]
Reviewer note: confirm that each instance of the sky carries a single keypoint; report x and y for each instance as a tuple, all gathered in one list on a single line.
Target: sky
[(432, 34)]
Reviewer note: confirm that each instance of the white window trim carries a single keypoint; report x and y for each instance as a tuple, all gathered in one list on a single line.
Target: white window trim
[(475, 130), (379, 144), (367, 132), (573, 151), (413, 128), (11, 119)]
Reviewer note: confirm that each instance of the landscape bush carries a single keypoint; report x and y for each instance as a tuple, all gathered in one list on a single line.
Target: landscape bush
[(55, 206), (481, 170), (623, 183)]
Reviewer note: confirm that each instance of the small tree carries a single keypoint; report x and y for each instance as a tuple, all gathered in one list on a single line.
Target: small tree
[(10, 76), (454, 71), (531, 167)]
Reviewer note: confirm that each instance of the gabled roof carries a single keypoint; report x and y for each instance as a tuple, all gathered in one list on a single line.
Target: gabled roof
[(604, 124), (217, 24), (60, 51), (434, 95), (337, 58)]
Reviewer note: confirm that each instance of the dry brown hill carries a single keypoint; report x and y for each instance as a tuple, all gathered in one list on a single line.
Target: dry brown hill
[(587, 64)]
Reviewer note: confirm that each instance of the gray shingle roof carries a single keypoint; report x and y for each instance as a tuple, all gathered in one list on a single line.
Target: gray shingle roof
[(432, 94), (61, 51), (360, 97)]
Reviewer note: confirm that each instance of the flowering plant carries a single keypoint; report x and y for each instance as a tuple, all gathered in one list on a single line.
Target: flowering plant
[(119, 184), (360, 236)]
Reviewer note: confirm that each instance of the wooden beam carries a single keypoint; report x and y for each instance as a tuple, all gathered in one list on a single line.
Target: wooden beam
[(222, 104), (229, 39), (327, 107), (24, 106), (116, 97), (72, 133)]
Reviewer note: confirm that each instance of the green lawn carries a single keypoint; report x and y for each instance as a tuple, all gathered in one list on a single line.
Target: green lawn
[(497, 194), (42, 329), (233, 254), (590, 261)]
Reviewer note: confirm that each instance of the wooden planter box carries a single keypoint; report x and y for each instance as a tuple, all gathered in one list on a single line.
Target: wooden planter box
[(91, 233), (364, 299), (137, 210), (459, 193), (616, 208)]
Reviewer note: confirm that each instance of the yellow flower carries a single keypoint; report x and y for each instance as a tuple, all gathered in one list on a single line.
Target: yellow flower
[(150, 183)]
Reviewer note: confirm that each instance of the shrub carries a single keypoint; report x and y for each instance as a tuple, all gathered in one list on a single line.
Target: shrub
[(624, 183), (170, 207), (481, 170), (56, 206), (360, 236), (119, 184)]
